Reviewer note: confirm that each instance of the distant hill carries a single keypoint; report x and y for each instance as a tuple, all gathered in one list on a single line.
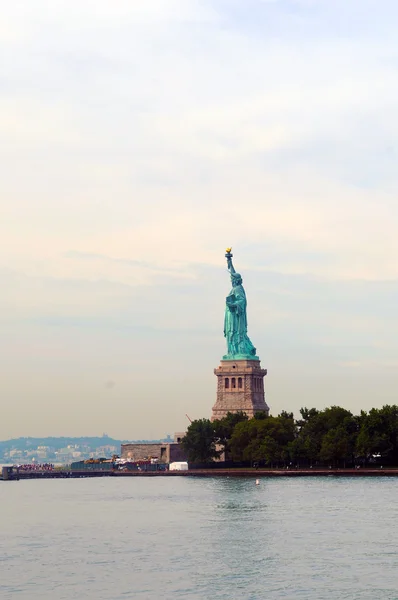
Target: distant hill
[(28, 443)]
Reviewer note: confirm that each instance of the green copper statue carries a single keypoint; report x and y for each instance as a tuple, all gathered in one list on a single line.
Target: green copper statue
[(239, 345)]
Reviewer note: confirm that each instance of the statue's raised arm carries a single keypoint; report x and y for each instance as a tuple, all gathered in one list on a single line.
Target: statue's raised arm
[(239, 345), (228, 256)]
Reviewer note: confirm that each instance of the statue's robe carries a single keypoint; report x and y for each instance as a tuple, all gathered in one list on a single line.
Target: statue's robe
[(235, 323)]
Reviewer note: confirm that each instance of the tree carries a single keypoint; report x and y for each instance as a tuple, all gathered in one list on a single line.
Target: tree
[(223, 429), (307, 414), (271, 451), (286, 415), (260, 415), (298, 450), (313, 428), (378, 434), (241, 437), (200, 442), (336, 445), (263, 439)]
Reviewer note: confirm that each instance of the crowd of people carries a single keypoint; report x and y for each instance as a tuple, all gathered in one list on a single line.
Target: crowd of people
[(35, 467)]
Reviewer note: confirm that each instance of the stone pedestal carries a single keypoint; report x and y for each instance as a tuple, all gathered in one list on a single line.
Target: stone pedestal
[(240, 387)]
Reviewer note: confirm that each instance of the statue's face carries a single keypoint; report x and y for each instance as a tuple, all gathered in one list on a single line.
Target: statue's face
[(236, 281)]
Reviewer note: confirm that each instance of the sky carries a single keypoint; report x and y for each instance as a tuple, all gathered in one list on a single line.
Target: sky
[(139, 139)]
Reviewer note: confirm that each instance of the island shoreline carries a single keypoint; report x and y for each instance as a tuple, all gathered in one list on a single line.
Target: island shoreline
[(253, 473)]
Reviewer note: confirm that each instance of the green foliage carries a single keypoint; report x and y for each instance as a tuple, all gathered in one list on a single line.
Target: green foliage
[(336, 445), (260, 415), (200, 441), (285, 415), (333, 436), (378, 434), (223, 429), (263, 439), (327, 436)]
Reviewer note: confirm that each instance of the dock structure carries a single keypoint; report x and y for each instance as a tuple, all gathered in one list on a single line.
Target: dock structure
[(12, 474)]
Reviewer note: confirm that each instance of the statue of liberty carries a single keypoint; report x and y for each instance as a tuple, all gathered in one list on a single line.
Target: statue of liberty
[(239, 345)]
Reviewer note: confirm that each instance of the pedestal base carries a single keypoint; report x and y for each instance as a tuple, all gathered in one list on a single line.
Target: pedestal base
[(240, 388)]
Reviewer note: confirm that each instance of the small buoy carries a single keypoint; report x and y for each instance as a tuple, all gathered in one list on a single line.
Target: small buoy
[(257, 482)]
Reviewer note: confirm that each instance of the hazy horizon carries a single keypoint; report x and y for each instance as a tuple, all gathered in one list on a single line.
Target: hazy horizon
[(139, 140)]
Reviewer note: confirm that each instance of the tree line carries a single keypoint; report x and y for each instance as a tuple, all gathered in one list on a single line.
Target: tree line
[(330, 437)]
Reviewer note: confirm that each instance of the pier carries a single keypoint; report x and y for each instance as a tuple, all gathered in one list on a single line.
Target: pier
[(12, 474)]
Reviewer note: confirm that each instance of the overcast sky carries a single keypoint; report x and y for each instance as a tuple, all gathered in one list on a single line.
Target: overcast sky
[(139, 139)]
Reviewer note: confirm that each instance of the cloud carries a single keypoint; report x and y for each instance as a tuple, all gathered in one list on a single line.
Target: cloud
[(137, 264), (184, 139)]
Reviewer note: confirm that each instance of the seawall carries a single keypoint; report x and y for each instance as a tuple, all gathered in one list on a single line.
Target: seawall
[(210, 473)]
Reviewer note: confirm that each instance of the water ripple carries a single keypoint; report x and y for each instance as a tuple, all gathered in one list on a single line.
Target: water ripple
[(218, 539)]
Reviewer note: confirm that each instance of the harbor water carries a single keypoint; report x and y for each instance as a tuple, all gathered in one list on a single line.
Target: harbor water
[(193, 538)]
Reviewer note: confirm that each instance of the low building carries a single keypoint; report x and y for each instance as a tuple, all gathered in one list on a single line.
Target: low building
[(165, 452)]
